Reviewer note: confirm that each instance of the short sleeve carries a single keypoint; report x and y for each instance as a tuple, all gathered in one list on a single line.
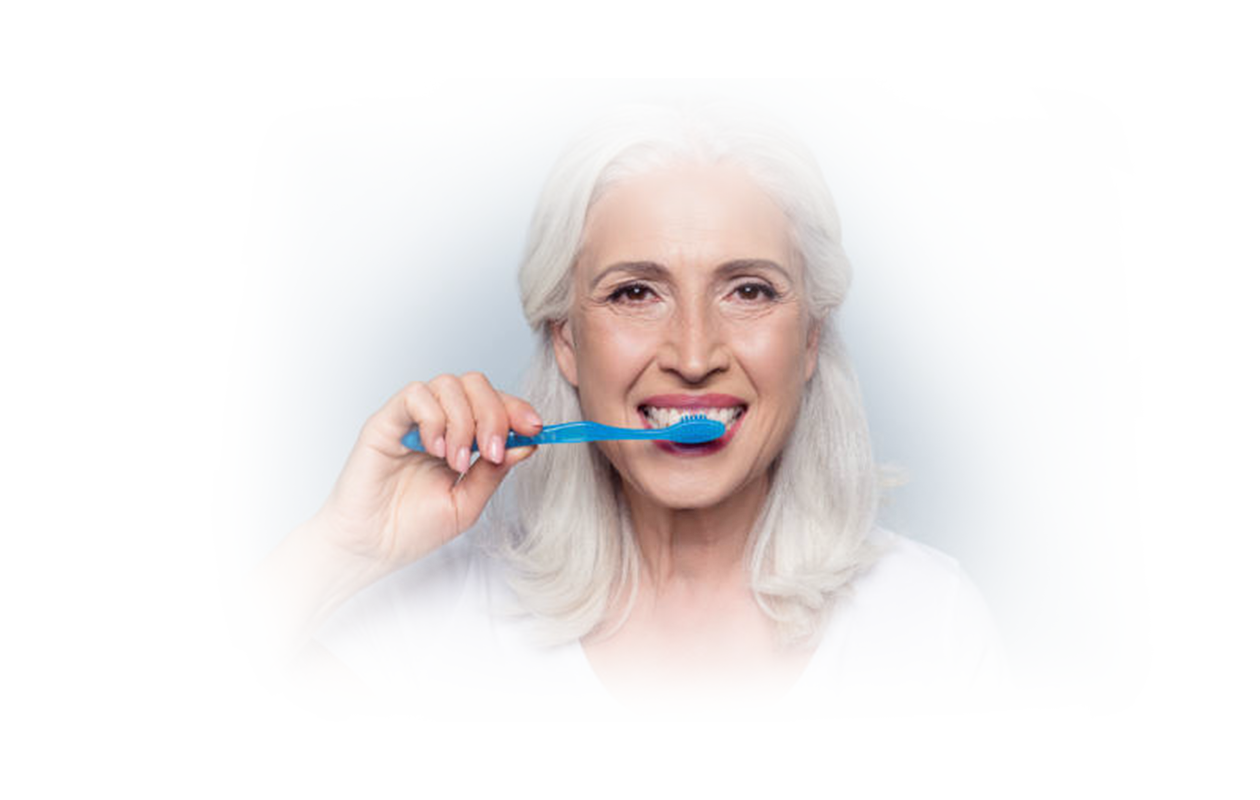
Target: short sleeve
[(386, 633), (980, 685)]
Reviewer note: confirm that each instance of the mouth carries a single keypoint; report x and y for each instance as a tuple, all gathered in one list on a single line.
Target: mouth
[(661, 411)]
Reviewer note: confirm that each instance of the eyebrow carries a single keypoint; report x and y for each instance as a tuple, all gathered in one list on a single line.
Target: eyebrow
[(651, 269)]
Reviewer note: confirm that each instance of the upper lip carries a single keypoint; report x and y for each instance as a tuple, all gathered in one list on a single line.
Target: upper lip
[(692, 401)]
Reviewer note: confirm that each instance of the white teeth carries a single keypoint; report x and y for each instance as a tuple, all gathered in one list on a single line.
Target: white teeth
[(664, 417)]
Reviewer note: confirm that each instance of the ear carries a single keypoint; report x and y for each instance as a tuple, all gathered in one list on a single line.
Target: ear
[(565, 350), (811, 349)]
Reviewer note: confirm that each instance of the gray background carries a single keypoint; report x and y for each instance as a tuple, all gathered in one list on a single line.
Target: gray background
[(1008, 319)]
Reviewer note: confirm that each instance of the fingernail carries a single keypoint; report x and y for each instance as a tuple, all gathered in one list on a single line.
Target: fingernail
[(439, 447), (464, 457), (496, 449), (534, 418)]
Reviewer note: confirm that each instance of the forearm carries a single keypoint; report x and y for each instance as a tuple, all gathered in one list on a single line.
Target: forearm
[(298, 586)]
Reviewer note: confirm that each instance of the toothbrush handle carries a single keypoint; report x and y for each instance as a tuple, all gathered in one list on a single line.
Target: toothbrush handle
[(564, 433), (412, 441), (577, 432)]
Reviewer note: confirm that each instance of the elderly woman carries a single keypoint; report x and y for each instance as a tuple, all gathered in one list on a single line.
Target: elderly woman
[(678, 262)]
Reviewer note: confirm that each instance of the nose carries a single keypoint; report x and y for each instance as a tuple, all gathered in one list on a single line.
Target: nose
[(694, 347)]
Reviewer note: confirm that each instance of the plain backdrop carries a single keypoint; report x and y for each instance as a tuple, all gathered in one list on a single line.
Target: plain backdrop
[(1008, 318)]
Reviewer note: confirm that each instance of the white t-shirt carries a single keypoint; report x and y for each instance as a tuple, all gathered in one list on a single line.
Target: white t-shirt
[(913, 634)]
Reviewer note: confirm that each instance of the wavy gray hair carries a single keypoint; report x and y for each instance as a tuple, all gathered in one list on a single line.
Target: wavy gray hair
[(571, 548)]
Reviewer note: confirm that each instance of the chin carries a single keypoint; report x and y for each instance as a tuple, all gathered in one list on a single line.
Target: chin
[(683, 495)]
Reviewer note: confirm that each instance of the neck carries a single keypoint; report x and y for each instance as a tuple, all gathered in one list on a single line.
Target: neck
[(697, 547)]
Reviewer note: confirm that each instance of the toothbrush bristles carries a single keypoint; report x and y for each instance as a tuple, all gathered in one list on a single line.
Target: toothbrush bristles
[(694, 418)]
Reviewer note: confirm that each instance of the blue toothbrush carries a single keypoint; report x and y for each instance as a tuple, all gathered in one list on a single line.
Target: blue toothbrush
[(688, 430)]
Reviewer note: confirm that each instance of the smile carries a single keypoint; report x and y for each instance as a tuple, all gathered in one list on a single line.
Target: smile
[(661, 411), (664, 416)]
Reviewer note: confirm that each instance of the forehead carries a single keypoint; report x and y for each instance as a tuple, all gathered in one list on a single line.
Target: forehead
[(686, 215)]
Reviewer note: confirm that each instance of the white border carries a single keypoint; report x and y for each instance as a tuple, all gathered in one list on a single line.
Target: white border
[(101, 318)]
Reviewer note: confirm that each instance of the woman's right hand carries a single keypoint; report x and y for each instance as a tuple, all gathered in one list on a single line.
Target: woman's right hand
[(392, 505)]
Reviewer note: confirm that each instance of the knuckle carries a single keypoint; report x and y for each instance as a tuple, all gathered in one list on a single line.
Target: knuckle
[(502, 419), (413, 390), (464, 424)]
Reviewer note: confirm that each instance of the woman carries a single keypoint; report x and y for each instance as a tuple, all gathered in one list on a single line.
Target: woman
[(677, 262)]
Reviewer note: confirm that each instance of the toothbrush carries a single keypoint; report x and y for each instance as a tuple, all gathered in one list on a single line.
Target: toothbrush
[(688, 430)]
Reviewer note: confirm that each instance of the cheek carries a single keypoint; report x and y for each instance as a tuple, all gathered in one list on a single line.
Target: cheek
[(616, 351), (773, 354)]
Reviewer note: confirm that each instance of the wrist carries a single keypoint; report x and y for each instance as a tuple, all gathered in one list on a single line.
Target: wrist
[(343, 575)]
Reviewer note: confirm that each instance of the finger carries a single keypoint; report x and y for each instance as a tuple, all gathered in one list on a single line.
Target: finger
[(414, 405), (475, 488), (425, 410), (489, 413), (522, 417), (459, 420)]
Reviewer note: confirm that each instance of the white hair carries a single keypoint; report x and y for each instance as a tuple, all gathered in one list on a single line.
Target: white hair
[(571, 549)]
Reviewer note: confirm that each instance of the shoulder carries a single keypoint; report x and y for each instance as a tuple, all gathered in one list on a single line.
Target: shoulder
[(929, 575), (915, 588), (913, 623), (907, 575)]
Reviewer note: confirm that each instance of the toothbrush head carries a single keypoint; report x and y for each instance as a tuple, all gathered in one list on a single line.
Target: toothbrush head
[(695, 429)]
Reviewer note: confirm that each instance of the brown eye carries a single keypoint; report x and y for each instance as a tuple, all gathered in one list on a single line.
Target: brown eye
[(632, 293), (756, 291)]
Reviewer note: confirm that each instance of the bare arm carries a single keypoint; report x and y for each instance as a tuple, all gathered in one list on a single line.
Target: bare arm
[(390, 507), (251, 635)]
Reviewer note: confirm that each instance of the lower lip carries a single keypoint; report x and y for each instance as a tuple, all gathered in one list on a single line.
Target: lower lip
[(705, 449)]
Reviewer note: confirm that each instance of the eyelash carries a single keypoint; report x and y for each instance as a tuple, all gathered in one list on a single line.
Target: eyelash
[(764, 290)]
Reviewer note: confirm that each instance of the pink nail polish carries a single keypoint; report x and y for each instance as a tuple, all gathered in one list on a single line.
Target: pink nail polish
[(439, 447), (496, 449), (465, 456)]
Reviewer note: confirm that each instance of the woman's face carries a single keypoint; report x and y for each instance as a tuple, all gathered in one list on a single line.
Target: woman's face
[(688, 300)]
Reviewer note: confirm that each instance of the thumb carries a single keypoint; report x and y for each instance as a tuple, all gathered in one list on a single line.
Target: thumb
[(479, 482)]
